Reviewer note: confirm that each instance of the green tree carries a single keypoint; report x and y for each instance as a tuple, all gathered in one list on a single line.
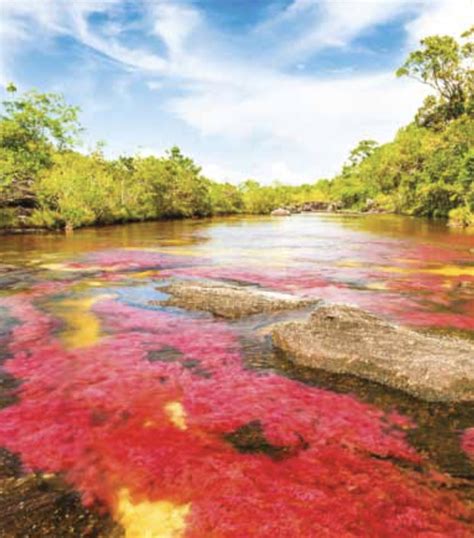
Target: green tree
[(33, 126), (175, 184), (77, 190), (226, 199), (446, 66), (364, 149)]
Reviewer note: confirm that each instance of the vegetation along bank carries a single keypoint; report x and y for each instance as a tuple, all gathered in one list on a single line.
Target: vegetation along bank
[(426, 170)]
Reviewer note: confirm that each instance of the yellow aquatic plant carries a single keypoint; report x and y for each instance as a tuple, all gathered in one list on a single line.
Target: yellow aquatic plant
[(82, 325), (177, 415), (147, 519)]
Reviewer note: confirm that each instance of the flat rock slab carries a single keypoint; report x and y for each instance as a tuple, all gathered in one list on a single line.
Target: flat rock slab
[(227, 300), (347, 340)]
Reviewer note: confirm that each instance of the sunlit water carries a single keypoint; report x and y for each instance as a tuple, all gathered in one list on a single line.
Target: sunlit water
[(181, 424)]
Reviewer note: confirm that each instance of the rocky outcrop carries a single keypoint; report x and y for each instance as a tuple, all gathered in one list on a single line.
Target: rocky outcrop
[(347, 340), (226, 300), (44, 505), (315, 206), (17, 203), (280, 212), (307, 207)]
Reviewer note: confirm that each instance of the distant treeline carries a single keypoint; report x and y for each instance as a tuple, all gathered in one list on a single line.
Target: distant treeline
[(46, 183), (427, 170)]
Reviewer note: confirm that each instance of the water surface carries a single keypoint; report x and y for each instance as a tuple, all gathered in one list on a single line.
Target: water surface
[(176, 423)]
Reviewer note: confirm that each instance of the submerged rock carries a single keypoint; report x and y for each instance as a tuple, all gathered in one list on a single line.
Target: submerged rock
[(280, 212), (347, 340), (227, 300)]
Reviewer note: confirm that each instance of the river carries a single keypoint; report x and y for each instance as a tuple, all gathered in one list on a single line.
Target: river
[(158, 421)]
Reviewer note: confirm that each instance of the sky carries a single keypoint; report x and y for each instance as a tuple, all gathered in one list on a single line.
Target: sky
[(262, 89)]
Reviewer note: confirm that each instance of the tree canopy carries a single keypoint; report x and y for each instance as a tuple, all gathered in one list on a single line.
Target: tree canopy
[(32, 127), (445, 65)]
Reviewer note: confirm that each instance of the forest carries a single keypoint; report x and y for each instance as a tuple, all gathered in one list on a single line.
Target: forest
[(427, 170)]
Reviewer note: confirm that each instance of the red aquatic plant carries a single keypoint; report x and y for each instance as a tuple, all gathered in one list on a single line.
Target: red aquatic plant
[(253, 454), (467, 442)]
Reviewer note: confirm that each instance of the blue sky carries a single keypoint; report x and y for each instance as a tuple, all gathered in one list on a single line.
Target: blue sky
[(268, 89)]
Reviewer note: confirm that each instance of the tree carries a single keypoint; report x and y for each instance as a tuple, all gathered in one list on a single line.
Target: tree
[(32, 127), (175, 185), (364, 149), (77, 190), (446, 66), (226, 199)]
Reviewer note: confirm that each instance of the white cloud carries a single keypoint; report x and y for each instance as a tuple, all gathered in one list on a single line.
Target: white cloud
[(313, 25), (29, 22), (316, 121), (278, 126), (155, 85), (175, 23), (221, 173), (445, 17)]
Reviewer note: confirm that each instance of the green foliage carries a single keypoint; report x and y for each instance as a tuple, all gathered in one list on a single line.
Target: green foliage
[(446, 66), (262, 199), (8, 217), (226, 199), (175, 184), (461, 217), (32, 127), (78, 190), (428, 169), (364, 149)]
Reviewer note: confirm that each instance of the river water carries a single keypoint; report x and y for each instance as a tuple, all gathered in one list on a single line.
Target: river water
[(176, 423)]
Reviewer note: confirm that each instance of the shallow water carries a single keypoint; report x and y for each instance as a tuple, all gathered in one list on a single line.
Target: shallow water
[(180, 424)]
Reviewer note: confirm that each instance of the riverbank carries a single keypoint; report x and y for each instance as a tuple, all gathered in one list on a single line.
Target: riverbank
[(323, 208)]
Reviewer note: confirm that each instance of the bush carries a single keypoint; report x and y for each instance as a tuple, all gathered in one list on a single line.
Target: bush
[(461, 217)]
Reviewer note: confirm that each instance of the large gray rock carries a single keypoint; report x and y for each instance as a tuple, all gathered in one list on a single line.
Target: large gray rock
[(229, 301), (280, 212), (345, 339)]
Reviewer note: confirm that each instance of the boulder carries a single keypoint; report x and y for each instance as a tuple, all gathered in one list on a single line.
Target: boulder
[(280, 212), (226, 300), (347, 340)]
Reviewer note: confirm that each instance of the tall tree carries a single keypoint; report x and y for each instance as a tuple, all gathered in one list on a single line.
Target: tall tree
[(445, 65)]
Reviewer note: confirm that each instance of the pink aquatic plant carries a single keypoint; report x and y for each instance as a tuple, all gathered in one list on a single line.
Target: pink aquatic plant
[(130, 259)]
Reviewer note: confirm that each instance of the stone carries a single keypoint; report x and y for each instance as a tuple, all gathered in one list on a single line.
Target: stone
[(44, 505), (6, 268), (227, 300), (280, 212), (347, 340)]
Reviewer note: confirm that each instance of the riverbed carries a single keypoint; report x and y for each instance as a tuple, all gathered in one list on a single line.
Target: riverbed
[(120, 416)]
